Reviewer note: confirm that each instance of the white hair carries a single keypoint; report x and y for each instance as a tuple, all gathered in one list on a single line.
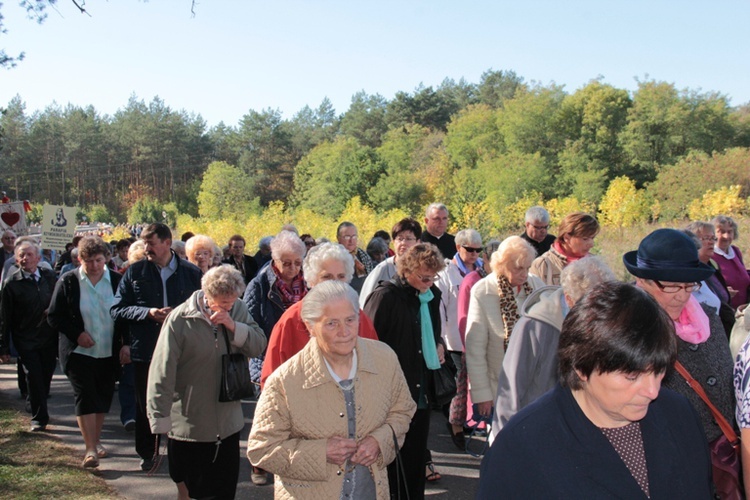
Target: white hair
[(323, 294), (580, 276), (537, 214), (320, 254), (287, 242)]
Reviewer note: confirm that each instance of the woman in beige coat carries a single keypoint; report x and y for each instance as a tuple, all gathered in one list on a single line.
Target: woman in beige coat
[(326, 420), (493, 311)]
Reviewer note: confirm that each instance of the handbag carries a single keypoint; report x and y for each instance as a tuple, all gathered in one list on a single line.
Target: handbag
[(740, 331), (477, 442), (725, 450), (235, 374), (443, 384)]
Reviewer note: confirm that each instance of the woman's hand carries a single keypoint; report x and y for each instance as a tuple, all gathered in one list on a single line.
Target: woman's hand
[(339, 450), (441, 353), (222, 317), (484, 408), (85, 340), (367, 452), (125, 355)]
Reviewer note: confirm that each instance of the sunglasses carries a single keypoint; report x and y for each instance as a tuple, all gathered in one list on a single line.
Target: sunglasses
[(471, 249)]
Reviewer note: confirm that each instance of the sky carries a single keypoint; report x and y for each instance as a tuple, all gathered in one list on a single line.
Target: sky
[(234, 56)]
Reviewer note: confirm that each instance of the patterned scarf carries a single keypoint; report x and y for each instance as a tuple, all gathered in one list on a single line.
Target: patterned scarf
[(509, 306), (290, 294)]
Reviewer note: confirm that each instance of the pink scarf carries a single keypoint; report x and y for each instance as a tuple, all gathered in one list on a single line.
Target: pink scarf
[(692, 325), (569, 259)]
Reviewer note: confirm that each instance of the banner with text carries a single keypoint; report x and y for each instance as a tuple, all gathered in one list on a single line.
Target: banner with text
[(58, 226)]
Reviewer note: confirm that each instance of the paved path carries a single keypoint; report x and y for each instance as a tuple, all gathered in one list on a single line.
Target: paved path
[(121, 470)]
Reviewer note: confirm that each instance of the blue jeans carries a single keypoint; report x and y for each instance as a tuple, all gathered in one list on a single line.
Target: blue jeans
[(126, 394)]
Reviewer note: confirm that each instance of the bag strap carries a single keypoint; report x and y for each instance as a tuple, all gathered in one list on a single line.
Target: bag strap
[(725, 426), (400, 474), (226, 338)]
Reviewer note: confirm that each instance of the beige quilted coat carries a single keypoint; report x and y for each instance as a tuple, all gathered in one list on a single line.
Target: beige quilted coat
[(302, 406)]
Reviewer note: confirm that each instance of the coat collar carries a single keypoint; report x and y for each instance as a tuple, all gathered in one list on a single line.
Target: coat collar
[(315, 370)]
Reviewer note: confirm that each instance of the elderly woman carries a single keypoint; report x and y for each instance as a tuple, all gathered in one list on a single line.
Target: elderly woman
[(729, 259), (493, 311), (530, 363), (466, 260), (575, 238), (179, 249), (90, 341), (406, 234), (666, 266), (184, 380), (200, 250), (406, 314), (608, 430), (294, 435), (329, 261)]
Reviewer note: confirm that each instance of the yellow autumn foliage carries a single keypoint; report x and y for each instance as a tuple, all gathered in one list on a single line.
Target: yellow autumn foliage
[(725, 200)]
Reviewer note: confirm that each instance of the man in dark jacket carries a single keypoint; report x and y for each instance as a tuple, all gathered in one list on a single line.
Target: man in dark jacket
[(24, 302), (243, 263), (146, 295)]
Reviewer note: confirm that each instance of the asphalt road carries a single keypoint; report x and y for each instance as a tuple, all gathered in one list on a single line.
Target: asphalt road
[(459, 470)]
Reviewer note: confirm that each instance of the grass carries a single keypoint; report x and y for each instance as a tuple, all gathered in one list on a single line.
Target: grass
[(37, 465)]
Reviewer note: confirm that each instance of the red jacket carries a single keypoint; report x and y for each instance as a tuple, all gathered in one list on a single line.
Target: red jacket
[(289, 336)]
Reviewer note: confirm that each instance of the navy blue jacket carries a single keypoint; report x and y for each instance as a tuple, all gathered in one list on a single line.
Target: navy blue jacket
[(141, 289), (23, 312), (551, 450), (263, 300)]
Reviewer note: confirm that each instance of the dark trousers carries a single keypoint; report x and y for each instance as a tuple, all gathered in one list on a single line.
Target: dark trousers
[(38, 366), (126, 394), (208, 471), (144, 440), (413, 454)]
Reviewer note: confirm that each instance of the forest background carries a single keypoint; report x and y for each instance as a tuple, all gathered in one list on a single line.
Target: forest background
[(488, 150)]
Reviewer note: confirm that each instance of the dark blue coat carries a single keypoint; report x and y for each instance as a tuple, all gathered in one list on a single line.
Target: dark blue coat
[(263, 300), (141, 289), (551, 450)]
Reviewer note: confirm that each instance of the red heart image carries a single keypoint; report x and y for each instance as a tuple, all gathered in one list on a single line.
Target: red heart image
[(10, 218)]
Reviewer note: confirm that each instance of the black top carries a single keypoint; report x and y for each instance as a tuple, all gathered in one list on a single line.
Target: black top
[(248, 269), (540, 247), (446, 243), (23, 312)]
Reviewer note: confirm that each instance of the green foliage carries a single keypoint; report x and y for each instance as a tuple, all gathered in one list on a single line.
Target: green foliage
[(147, 210), (365, 119), (623, 205), (726, 201), (99, 213), (473, 134), (226, 193), (496, 87)]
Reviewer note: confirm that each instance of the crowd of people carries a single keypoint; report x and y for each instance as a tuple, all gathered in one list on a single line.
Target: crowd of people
[(593, 387)]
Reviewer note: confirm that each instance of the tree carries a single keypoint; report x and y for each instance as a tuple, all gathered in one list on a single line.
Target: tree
[(473, 134), (496, 87), (365, 119), (226, 193), (623, 205), (35, 10)]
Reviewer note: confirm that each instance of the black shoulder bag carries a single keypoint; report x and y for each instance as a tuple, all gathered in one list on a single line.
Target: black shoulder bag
[(235, 374)]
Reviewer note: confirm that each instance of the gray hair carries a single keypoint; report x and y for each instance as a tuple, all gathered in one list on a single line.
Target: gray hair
[(435, 206), (320, 254), (323, 294), (287, 242), (537, 213), (491, 247), (469, 237), (178, 246), (223, 281), (136, 251), (377, 245), (27, 244), (513, 249), (265, 243), (580, 276), (699, 226), (199, 241), (694, 237), (725, 219)]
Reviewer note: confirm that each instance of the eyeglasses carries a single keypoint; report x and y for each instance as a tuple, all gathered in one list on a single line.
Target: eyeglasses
[(349, 237), (540, 228), (427, 279), (471, 249), (309, 243), (405, 240), (712, 239), (203, 253), (688, 287)]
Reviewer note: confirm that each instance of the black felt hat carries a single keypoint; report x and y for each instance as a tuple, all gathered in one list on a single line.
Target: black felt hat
[(667, 255)]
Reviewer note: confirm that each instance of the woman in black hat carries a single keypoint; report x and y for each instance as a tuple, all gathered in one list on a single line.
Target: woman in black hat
[(667, 267)]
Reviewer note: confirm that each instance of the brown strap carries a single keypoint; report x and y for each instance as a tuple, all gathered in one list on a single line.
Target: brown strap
[(725, 426)]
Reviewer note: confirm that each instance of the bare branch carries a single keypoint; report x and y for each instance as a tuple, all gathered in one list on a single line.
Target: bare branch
[(192, 9), (80, 7)]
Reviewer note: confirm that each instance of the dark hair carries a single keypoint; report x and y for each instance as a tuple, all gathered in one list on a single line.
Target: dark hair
[(615, 327), (186, 236), (377, 245), (77, 239), (383, 235), (236, 237), (161, 231), (123, 244), (407, 224), (91, 246)]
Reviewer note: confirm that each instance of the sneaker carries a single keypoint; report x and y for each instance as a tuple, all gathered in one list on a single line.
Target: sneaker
[(259, 477), (129, 425), (147, 464)]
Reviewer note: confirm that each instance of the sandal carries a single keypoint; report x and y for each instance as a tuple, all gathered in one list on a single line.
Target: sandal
[(432, 475), (90, 461), (101, 451)]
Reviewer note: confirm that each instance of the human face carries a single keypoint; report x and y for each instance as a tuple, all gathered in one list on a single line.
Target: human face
[(157, 250), (403, 242), (706, 252), (724, 236), (237, 248), (578, 246), (348, 237), (436, 222), (203, 258), (289, 265), (27, 258), (517, 273), (94, 267), (123, 253), (422, 279), (537, 230), (616, 399), (332, 269), (673, 303), (337, 329), (221, 303), (9, 240), (469, 254)]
